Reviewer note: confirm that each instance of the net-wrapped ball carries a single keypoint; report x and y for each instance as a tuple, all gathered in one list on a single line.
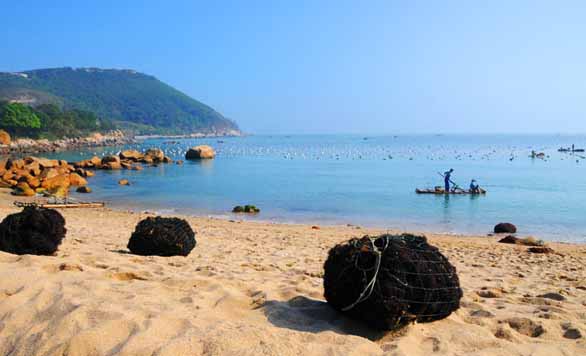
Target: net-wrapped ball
[(388, 281), (33, 231), (160, 236)]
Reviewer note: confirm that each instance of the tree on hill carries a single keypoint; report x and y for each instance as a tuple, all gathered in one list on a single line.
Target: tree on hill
[(19, 119), (49, 121)]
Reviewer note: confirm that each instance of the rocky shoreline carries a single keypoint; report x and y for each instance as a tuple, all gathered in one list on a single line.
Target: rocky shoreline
[(26, 145), (227, 133), (31, 175)]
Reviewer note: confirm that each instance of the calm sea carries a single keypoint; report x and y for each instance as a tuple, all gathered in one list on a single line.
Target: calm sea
[(367, 181)]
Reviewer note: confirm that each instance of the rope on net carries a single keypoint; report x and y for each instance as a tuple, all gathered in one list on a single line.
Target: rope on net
[(367, 292)]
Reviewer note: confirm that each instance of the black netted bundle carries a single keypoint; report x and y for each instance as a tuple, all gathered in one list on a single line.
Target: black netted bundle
[(33, 231), (391, 280), (162, 237)]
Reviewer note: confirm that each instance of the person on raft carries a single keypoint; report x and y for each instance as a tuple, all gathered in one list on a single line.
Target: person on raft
[(474, 187), (447, 179)]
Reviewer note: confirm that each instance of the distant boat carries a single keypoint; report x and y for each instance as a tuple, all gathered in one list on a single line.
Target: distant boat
[(570, 149), (441, 191)]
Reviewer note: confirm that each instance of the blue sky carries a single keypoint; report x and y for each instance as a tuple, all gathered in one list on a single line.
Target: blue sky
[(331, 66)]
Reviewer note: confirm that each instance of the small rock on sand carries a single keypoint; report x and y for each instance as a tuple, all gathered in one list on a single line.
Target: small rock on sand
[(490, 293), (526, 326), (554, 296), (540, 249), (481, 314), (510, 239), (572, 333)]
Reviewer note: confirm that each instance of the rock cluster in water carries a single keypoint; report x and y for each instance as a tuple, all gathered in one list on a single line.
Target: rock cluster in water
[(32, 175)]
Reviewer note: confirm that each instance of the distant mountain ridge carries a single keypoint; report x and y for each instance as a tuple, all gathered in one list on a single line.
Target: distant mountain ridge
[(131, 99)]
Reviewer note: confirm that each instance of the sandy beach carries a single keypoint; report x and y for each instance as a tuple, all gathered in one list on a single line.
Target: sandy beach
[(256, 289)]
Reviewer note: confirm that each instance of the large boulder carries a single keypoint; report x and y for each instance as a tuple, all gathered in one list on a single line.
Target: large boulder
[(60, 181), (505, 228), (15, 164), (4, 137), (23, 189), (59, 192), (95, 161), (33, 182), (131, 155), (49, 173), (83, 164), (112, 165), (147, 160), (34, 168), (200, 152), (155, 154), (126, 164), (20, 173), (161, 236), (389, 281), (84, 189), (76, 180), (33, 231), (41, 162), (8, 175), (108, 159)]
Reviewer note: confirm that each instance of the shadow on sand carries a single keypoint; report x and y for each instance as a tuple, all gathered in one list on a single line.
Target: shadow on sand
[(309, 315), (122, 252)]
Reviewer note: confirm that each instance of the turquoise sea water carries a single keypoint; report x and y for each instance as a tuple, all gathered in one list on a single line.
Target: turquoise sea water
[(365, 181)]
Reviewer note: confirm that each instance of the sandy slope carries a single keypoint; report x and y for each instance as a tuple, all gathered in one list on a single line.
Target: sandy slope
[(256, 289)]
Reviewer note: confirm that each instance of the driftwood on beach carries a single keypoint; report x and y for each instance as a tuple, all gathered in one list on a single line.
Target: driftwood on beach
[(60, 205)]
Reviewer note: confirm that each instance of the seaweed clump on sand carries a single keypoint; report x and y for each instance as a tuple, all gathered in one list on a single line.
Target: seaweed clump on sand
[(390, 280), (33, 231), (160, 236)]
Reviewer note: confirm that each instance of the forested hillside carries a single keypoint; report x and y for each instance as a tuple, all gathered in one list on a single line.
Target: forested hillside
[(124, 97)]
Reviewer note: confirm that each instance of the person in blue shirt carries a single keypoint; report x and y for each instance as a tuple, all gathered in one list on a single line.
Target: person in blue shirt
[(447, 179), (474, 188)]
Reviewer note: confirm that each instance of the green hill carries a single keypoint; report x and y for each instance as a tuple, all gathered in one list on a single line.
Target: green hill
[(130, 99)]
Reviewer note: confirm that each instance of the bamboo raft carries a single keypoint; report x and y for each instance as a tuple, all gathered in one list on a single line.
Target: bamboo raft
[(441, 191), (61, 205)]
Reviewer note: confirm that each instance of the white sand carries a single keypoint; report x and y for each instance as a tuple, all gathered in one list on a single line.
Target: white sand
[(256, 289)]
